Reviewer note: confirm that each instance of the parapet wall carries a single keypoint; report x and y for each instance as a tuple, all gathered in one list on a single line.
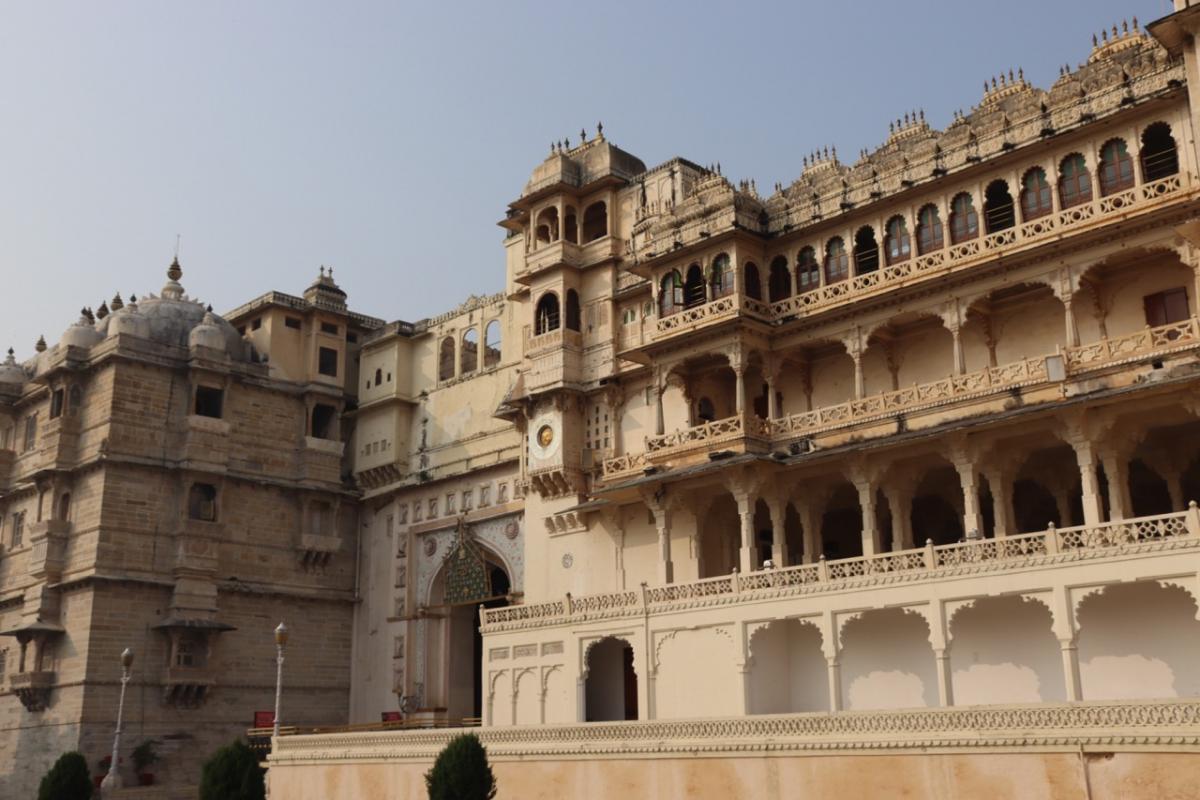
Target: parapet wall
[(1074, 750)]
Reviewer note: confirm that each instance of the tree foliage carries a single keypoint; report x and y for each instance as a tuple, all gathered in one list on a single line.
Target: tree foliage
[(232, 773), (461, 772), (68, 779)]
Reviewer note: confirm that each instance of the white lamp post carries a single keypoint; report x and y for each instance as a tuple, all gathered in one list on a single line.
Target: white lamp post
[(281, 637), (113, 779)]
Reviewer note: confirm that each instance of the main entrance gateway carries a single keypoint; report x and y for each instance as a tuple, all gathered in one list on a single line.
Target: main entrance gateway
[(470, 578)]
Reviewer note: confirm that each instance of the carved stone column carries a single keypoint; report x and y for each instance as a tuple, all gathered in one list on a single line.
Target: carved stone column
[(777, 505), (662, 507), (1000, 482), (866, 501), (1116, 473), (771, 373), (968, 477), (659, 387), (899, 499)]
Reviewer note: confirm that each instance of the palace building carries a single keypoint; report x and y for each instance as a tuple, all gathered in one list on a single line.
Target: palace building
[(723, 492)]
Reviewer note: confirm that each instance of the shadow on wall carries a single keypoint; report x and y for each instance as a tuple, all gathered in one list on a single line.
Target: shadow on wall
[(787, 669), (898, 639), (1004, 650), (1139, 640)]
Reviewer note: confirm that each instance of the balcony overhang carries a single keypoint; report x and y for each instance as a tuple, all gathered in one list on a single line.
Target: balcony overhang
[(1173, 30)]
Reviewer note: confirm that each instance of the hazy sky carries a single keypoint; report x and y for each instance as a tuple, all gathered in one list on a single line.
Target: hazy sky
[(385, 139)]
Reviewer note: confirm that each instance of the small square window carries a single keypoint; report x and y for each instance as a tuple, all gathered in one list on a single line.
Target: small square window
[(241, 330), (292, 322), (209, 401), (352, 338), (256, 324), (330, 328), (327, 362)]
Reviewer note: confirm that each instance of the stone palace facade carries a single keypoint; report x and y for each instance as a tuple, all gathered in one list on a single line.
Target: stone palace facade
[(900, 458)]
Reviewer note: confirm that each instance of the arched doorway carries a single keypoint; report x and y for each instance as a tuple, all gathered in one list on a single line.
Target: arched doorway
[(610, 689), (456, 646)]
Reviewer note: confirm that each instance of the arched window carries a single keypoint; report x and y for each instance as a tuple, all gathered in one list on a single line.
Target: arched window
[(837, 265), (572, 315), (751, 283), (1035, 195), (595, 222), (570, 225), (705, 411), (779, 280), (1074, 183), (547, 225), (929, 230), (721, 277), (896, 241), (670, 294), (491, 344), (1160, 159), (446, 359), (693, 287), (1116, 167), (546, 317), (64, 506), (808, 271), (202, 502), (866, 251), (998, 211), (378, 377), (470, 351), (964, 222)]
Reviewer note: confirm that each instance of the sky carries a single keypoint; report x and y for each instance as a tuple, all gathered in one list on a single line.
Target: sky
[(385, 139)]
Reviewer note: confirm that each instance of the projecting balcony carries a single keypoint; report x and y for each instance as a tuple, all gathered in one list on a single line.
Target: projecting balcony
[(206, 441), (555, 358), (962, 392), (48, 547), (320, 460), (32, 688), (715, 312)]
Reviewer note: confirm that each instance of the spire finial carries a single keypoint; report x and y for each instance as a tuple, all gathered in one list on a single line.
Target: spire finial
[(582, 135), (175, 272), (1095, 41), (1135, 23), (600, 130)]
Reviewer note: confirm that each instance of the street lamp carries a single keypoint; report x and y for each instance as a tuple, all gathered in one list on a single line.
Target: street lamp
[(281, 637), (113, 779)]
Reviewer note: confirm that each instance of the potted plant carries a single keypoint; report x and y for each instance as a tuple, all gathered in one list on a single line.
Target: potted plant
[(143, 756)]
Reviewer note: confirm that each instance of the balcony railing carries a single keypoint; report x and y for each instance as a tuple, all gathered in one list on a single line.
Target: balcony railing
[(931, 562), (1004, 242), (718, 310), (1078, 360)]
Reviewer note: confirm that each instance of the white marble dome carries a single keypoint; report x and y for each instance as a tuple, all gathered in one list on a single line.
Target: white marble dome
[(11, 373)]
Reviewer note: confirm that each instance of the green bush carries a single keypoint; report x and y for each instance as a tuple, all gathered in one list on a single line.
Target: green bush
[(461, 772), (68, 779), (232, 773)]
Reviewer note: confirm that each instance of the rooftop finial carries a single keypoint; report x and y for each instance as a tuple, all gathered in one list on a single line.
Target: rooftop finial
[(1095, 41), (1124, 27), (117, 302), (600, 130), (1104, 35), (41, 344), (1135, 23), (102, 311), (175, 272), (1021, 74)]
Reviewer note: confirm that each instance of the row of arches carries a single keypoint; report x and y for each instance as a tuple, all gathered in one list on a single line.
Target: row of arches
[(454, 362), (998, 650), (594, 225), (838, 260)]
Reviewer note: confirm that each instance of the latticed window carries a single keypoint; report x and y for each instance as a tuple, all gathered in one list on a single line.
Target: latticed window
[(1116, 167), (837, 264), (808, 272), (964, 221), (929, 230), (752, 283), (1035, 195), (896, 240), (693, 287), (1074, 183), (670, 294)]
